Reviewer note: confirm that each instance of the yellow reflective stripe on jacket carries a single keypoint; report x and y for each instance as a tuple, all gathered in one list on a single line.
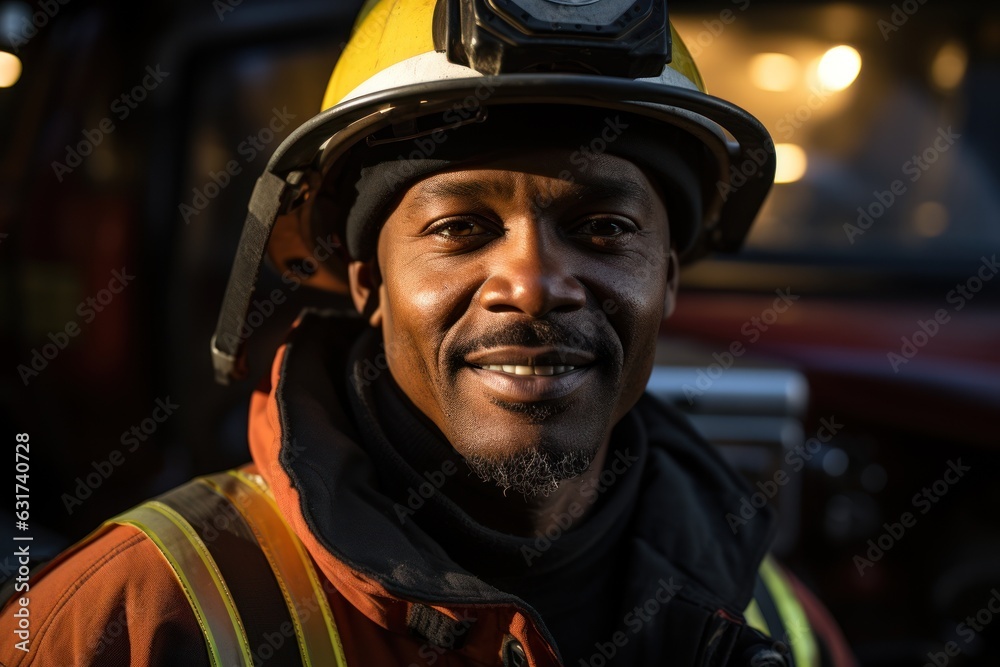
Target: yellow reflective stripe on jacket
[(205, 590), (797, 629), (213, 605), (319, 641), (755, 619)]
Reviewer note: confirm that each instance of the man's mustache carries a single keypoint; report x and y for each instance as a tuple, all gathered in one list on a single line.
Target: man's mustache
[(589, 338)]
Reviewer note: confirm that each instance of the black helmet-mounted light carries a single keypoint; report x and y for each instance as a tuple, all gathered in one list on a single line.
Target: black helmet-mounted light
[(623, 38)]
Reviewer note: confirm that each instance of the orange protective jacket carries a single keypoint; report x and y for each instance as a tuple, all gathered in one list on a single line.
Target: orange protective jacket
[(113, 599)]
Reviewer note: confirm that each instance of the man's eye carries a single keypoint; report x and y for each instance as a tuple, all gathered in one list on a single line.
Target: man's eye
[(605, 227), (460, 229)]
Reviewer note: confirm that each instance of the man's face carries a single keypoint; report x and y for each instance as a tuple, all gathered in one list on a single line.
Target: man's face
[(520, 310)]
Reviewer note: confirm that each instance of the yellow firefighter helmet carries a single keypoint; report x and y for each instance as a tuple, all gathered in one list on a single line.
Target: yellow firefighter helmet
[(424, 83)]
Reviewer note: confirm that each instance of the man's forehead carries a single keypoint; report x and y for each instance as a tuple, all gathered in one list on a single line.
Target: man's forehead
[(602, 177)]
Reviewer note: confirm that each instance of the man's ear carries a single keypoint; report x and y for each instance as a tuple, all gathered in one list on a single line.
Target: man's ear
[(673, 282), (365, 281)]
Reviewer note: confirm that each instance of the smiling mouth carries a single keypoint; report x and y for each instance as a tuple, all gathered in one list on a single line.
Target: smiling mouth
[(524, 384), (518, 369)]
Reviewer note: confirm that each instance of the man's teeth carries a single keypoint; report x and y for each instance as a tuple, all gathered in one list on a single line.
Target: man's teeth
[(529, 370)]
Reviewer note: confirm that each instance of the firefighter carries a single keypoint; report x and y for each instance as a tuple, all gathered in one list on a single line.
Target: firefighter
[(467, 470)]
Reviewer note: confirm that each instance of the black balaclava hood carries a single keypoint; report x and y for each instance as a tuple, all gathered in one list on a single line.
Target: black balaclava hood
[(369, 182)]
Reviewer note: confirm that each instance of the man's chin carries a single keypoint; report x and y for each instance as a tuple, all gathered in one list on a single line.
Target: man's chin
[(535, 470)]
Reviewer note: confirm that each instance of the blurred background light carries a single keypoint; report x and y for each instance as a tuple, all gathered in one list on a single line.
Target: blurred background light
[(930, 219), (948, 68), (776, 72), (791, 163), (10, 69), (839, 67), (836, 462)]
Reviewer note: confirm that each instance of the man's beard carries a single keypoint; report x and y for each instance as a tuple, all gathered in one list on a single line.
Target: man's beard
[(534, 472)]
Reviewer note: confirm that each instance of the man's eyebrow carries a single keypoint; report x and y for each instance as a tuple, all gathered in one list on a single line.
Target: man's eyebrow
[(457, 189), (612, 189), (599, 190)]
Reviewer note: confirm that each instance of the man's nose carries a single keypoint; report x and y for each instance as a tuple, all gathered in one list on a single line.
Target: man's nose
[(532, 274)]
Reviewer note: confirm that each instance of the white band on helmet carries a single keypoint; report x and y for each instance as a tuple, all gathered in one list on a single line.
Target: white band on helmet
[(434, 66)]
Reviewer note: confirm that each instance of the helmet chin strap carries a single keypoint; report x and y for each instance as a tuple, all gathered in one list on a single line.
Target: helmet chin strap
[(228, 344)]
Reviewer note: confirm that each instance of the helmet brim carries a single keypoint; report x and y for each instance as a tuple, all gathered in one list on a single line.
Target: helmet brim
[(741, 145)]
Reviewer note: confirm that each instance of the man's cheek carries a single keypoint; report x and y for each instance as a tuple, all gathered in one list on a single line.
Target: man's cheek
[(427, 294)]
